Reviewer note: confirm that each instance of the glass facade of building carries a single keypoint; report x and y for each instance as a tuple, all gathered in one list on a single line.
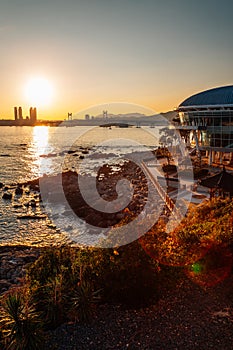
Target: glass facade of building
[(214, 127)]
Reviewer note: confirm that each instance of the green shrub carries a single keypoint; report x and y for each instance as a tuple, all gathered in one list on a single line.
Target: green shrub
[(50, 301), (51, 280), (21, 325), (126, 274), (84, 301)]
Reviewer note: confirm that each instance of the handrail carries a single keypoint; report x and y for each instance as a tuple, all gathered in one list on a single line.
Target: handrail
[(163, 194)]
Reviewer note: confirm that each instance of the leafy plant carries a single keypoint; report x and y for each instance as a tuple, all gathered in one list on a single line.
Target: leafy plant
[(126, 274), (52, 303), (20, 323), (84, 301)]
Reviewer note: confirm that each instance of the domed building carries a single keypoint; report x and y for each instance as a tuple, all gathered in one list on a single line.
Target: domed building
[(208, 116)]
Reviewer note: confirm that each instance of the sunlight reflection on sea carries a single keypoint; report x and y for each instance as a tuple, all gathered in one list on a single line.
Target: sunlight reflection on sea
[(27, 153)]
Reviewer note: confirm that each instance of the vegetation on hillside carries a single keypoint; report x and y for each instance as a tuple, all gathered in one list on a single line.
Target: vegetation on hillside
[(68, 283)]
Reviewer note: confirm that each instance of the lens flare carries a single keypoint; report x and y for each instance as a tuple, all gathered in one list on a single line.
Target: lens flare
[(213, 268), (167, 249)]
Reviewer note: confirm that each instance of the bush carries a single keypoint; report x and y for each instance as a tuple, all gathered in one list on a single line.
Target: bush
[(21, 324), (52, 279), (126, 275), (84, 301), (50, 302)]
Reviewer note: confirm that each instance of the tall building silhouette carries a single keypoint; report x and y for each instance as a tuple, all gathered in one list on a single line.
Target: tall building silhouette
[(20, 113), (31, 120), (16, 113), (33, 115)]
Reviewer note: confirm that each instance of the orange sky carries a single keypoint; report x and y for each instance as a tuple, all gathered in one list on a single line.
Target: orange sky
[(151, 53)]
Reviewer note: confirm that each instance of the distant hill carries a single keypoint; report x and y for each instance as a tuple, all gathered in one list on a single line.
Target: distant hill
[(136, 119), (122, 115), (169, 115), (132, 116)]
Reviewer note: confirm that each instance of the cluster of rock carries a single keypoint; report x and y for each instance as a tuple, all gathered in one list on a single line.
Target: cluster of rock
[(14, 259), (106, 182), (8, 194), (13, 262), (23, 195)]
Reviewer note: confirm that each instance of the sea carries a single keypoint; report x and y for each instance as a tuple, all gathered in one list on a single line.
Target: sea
[(27, 153)]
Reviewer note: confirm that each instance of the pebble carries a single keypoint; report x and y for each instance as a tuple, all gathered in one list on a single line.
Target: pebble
[(182, 319), (13, 260)]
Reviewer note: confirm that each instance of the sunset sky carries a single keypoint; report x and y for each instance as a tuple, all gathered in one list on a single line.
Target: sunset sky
[(86, 52)]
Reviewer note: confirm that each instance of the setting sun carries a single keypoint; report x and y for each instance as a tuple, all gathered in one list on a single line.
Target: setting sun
[(39, 92)]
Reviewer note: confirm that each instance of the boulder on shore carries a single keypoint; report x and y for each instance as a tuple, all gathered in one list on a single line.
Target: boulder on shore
[(19, 191), (7, 195)]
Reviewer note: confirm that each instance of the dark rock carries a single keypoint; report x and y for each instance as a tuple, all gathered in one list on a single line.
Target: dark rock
[(4, 285), (33, 184), (18, 206), (49, 155), (7, 196), (19, 191), (36, 188), (34, 217), (33, 203), (1, 185)]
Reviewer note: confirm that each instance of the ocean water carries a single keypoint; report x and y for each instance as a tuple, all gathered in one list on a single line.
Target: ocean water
[(27, 153)]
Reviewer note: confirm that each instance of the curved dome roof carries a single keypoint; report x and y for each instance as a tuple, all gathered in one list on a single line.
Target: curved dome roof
[(216, 97)]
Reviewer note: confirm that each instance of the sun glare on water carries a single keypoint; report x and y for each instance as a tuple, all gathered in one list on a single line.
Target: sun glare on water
[(39, 148), (39, 92), (40, 138)]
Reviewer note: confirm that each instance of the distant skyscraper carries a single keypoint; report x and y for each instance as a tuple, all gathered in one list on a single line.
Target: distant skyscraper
[(20, 113), (16, 113), (33, 115)]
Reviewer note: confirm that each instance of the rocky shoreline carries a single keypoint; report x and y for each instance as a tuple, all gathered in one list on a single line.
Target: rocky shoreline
[(106, 186), (26, 198), (13, 262)]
